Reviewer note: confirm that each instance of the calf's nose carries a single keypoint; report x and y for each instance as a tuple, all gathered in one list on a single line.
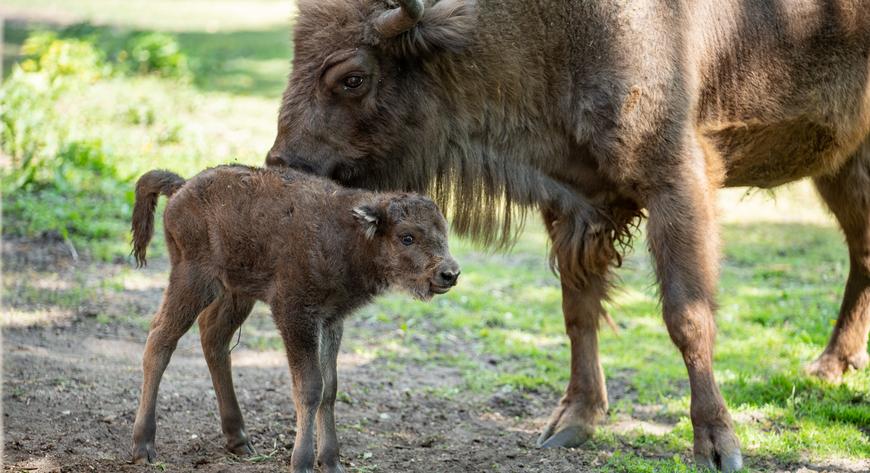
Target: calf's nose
[(448, 278), (448, 274)]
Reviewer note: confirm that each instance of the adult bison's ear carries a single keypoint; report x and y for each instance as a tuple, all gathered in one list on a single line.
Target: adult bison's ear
[(414, 30), (372, 217)]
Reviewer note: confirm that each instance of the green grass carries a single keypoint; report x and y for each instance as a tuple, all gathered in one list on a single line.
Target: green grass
[(783, 269), (780, 293)]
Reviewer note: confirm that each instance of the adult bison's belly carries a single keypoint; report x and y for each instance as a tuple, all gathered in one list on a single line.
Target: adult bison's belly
[(770, 154)]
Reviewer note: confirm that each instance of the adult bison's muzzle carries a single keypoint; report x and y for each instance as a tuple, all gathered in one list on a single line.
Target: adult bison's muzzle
[(299, 163), (330, 168)]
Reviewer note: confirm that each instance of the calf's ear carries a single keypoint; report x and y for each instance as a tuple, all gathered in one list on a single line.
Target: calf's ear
[(371, 217)]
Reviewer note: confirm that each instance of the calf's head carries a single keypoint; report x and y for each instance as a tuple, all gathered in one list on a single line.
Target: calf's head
[(410, 234), (359, 94)]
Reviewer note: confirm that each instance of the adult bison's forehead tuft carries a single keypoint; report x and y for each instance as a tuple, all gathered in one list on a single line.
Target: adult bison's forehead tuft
[(360, 74), (402, 28), (331, 24)]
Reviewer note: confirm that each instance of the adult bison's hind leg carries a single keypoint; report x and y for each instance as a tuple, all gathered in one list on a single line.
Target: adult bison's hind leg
[(584, 404), (847, 194), (683, 239)]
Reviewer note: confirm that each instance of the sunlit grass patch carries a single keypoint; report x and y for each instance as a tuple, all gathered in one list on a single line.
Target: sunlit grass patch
[(778, 302), (633, 463)]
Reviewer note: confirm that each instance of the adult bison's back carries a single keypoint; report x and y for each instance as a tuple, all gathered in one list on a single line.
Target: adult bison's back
[(591, 111)]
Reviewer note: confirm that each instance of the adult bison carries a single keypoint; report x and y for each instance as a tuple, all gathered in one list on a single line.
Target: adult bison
[(593, 111)]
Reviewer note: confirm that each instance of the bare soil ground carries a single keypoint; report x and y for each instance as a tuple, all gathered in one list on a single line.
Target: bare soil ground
[(72, 352), (71, 384)]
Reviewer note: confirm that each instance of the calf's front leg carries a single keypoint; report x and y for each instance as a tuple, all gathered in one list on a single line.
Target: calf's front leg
[(327, 448), (301, 333), (683, 239)]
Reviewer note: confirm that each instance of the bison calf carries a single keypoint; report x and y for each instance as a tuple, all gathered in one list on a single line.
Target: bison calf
[(312, 250)]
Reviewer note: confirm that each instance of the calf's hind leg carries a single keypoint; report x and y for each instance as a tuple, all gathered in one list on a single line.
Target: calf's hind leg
[(186, 296), (217, 324), (847, 194)]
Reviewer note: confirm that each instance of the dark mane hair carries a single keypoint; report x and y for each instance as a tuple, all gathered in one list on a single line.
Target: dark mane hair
[(492, 159)]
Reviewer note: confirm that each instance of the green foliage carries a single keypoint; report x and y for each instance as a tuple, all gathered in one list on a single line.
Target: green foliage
[(34, 129), (57, 181), (155, 53), (63, 58), (79, 193), (85, 111), (26, 106)]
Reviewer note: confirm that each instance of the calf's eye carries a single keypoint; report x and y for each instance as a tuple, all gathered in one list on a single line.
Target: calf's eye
[(353, 81), (407, 240)]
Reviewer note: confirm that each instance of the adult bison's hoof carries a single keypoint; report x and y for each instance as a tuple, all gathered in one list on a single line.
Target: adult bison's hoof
[(831, 367), (571, 425), (717, 448), (144, 453)]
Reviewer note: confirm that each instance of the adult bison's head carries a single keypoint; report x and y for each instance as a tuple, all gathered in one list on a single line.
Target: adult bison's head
[(359, 94)]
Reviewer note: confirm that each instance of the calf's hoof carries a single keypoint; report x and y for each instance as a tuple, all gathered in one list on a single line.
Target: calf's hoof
[(831, 367), (717, 448), (571, 425), (240, 445), (242, 450), (144, 453), (297, 466), (336, 468)]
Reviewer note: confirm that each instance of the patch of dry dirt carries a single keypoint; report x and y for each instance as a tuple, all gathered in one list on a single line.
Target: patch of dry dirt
[(71, 385)]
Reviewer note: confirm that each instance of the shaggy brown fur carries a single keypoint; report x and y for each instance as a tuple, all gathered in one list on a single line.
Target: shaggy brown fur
[(594, 111), (312, 250)]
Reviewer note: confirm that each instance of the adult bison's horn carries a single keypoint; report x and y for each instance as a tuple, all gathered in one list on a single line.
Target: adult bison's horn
[(396, 21)]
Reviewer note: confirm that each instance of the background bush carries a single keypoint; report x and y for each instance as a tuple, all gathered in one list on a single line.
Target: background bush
[(62, 178), (156, 53)]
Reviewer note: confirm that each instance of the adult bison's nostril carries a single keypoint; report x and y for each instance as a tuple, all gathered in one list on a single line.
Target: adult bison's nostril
[(275, 158)]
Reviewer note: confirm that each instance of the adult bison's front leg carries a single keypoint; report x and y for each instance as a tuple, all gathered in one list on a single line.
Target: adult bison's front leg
[(584, 404), (683, 238)]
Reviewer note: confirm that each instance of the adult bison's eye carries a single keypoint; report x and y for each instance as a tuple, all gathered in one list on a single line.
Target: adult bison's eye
[(407, 240), (353, 81)]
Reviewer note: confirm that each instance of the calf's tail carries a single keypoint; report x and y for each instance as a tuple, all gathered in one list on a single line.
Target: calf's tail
[(148, 189)]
